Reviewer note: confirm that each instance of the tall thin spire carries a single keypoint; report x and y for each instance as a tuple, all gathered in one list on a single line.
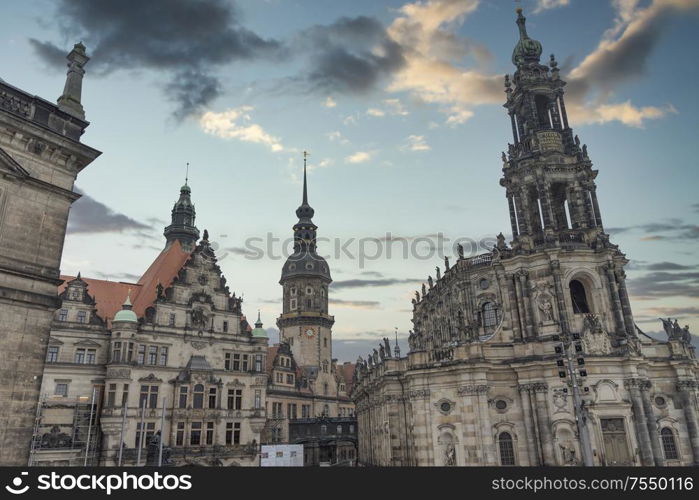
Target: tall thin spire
[(186, 174), (306, 154)]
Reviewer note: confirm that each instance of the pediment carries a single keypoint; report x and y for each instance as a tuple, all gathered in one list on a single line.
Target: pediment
[(10, 165), (54, 341), (88, 343)]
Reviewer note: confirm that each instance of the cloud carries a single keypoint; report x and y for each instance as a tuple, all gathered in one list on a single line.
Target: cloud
[(365, 283), (542, 5), (235, 124), (390, 107), (131, 278), (89, 216), (665, 284), (359, 157), (351, 55), (667, 266), (375, 112), (178, 37), (329, 102), (336, 136), (355, 304), (622, 55), (363, 343), (417, 143)]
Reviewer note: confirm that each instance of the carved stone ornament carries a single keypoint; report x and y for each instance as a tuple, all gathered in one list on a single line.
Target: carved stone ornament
[(560, 401), (118, 373), (419, 394), (199, 345), (596, 342), (470, 390), (445, 406)]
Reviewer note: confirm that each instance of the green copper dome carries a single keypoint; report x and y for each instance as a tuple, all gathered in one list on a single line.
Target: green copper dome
[(126, 314), (527, 50), (258, 331)]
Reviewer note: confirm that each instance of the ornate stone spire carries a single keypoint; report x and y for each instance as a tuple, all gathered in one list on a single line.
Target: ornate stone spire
[(182, 226), (527, 50), (72, 91), (304, 229)]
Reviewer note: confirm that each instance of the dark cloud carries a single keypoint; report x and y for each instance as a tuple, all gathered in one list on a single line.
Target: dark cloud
[(355, 304), (665, 284), (374, 274), (670, 229), (186, 39), (350, 350), (668, 266), (361, 283), (695, 207), (88, 215), (344, 56)]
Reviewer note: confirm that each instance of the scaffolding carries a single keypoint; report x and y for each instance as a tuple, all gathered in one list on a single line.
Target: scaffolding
[(66, 432)]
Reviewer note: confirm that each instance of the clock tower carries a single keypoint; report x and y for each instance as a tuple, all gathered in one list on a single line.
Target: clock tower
[(304, 323)]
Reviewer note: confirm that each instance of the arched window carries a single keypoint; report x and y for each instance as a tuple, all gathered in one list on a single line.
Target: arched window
[(542, 111), (578, 297), (507, 449), (198, 396), (490, 315), (669, 446)]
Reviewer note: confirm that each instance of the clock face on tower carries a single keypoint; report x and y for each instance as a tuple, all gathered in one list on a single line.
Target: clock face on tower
[(310, 332)]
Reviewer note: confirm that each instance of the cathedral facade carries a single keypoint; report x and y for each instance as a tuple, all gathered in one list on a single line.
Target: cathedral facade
[(40, 157), (529, 354)]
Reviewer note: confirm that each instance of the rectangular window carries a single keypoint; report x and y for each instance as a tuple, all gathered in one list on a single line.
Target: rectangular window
[(52, 354), (149, 432), (163, 356), (258, 362), (141, 354), (227, 361), (149, 396), (195, 435), (125, 395), (258, 399), (209, 433), (236, 362), (152, 355), (289, 379), (179, 436), (183, 397), (230, 401), (129, 356), (229, 433), (111, 395), (245, 363), (238, 399), (279, 377), (153, 396), (90, 356), (172, 319), (116, 352), (225, 327), (305, 411), (236, 433), (291, 411), (63, 315), (82, 316), (79, 356), (212, 397)]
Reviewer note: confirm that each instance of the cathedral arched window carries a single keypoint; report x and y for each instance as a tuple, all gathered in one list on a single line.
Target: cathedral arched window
[(578, 297), (669, 446), (198, 396), (542, 111), (490, 315), (507, 449)]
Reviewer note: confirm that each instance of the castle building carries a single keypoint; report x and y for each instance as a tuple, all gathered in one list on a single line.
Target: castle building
[(305, 382), (529, 354), (40, 157), (170, 356)]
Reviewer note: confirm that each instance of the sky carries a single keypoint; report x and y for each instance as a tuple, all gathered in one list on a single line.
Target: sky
[(400, 106)]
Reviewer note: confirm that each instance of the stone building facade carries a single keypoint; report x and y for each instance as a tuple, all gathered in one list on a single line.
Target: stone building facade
[(170, 354), (40, 158), (305, 382), (529, 354)]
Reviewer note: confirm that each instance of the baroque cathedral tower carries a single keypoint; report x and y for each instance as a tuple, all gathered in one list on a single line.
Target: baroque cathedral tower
[(529, 354), (305, 323), (182, 227)]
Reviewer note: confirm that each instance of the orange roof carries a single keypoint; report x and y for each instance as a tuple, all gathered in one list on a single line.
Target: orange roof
[(163, 270), (271, 354), (347, 371), (110, 295)]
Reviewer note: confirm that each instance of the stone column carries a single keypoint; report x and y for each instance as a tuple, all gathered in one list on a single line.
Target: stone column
[(521, 214), (542, 413), (687, 388), (513, 216), (514, 313), (483, 417), (616, 301), (625, 303), (543, 191), (564, 115), (658, 455), (529, 427), (633, 385), (560, 302), (520, 305), (595, 205), (528, 315)]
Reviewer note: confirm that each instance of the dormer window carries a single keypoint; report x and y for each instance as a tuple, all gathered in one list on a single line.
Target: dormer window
[(82, 317), (63, 315)]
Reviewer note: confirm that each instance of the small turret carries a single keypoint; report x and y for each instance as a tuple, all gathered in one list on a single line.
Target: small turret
[(72, 91), (182, 226), (258, 331), (126, 314)]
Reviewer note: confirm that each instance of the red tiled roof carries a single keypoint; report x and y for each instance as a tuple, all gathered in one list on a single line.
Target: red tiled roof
[(163, 270), (271, 354), (347, 371), (110, 295)]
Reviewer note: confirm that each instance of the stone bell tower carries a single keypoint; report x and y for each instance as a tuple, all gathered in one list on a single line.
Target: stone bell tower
[(552, 198), (305, 323), (40, 157)]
